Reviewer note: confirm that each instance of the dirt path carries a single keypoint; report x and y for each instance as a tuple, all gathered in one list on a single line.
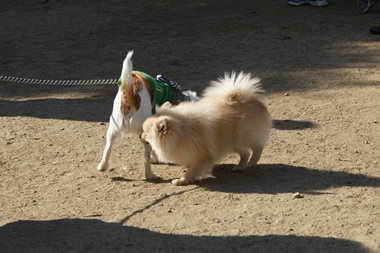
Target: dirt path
[(321, 72)]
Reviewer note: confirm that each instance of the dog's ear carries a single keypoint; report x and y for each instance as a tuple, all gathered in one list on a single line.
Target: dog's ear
[(162, 125)]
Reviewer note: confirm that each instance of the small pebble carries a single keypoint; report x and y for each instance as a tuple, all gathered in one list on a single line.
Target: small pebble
[(289, 230), (297, 195)]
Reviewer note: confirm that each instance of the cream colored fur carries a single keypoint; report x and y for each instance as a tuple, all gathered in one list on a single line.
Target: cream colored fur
[(229, 117)]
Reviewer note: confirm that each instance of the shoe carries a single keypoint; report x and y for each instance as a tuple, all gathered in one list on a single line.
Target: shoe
[(375, 30), (367, 5), (311, 2)]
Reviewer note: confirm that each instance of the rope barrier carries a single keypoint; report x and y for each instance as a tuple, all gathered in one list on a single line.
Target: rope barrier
[(57, 82)]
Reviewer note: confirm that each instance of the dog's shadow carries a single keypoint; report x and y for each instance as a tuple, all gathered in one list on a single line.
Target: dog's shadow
[(281, 178)]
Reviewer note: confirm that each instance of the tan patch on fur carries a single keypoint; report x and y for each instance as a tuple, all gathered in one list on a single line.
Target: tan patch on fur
[(131, 98)]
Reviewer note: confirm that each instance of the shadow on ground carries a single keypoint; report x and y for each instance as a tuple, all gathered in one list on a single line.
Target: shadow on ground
[(92, 235), (281, 178), (82, 109), (81, 103), (292, 124)]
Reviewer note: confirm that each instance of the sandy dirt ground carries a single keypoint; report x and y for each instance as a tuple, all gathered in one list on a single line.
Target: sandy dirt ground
[(319, 66)]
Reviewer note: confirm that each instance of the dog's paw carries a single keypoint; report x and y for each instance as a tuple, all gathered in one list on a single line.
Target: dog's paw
[(102, 167), (180, 181), (251, 164), (151, 176), (237, 169)]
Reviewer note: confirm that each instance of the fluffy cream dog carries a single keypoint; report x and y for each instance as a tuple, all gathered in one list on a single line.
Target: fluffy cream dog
[(228, 118)]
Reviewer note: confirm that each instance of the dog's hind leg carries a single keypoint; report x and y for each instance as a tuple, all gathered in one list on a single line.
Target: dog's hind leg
[(112, 133), (149, 175), (257, 150), (244, 156)]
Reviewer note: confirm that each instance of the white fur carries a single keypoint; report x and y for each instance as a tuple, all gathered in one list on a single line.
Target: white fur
[(133, 120)]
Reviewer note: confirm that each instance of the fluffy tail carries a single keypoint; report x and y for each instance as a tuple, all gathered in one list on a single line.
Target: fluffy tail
[(126, 73), (234, 88)]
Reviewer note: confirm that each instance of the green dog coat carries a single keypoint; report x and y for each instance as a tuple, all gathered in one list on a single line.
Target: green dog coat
[(160, 92)]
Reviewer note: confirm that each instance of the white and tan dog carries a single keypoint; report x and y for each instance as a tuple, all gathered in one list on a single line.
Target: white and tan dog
[(229, 117), (136, 100)]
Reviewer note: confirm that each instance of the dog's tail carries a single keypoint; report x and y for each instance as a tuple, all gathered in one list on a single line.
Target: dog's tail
[(126, 73), (234, 88)]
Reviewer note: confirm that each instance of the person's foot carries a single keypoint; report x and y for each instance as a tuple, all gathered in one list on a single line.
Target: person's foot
[(375, 30), (311, 2), (367, 5)]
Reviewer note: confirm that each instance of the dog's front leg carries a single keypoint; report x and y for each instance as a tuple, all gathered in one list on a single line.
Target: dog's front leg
[(149, 175), (112, 133)]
